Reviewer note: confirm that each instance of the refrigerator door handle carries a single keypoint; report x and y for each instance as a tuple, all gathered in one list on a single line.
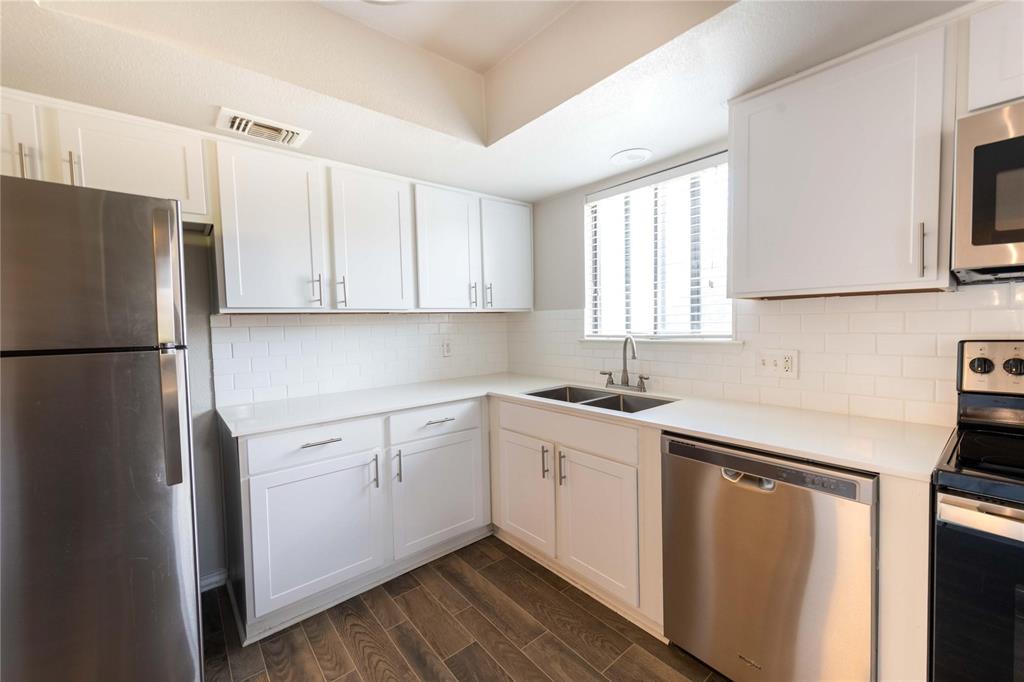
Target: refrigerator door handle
[(166, 243), (170, 370)]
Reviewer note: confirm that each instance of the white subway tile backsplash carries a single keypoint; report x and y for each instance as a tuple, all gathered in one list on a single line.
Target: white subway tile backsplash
[(270, 357), (889, 356)]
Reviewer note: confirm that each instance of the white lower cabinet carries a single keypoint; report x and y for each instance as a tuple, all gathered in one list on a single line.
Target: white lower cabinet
[(597, 522), (527, 490), (577, 508), (315, 526), (437, 490)]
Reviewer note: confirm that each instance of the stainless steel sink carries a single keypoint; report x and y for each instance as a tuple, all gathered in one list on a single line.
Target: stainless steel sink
[(605, 400)]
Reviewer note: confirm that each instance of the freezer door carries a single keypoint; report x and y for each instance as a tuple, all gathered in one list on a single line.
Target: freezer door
[(87, 269), (99, 564)]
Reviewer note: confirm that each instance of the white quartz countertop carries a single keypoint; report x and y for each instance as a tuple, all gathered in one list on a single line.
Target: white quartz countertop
[(875, 445)]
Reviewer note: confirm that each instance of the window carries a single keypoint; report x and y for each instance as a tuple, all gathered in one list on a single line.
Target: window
[(656, 255)]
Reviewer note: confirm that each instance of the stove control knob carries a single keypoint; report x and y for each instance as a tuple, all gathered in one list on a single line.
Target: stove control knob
[(982, 365), (1014, 366)]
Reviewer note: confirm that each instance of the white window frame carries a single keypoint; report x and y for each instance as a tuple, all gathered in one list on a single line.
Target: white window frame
[(644, 180)]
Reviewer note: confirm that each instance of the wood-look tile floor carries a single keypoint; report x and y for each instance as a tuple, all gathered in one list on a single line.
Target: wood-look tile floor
[(485, 612)]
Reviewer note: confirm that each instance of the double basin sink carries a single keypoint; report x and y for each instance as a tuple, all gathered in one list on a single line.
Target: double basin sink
[(606, 400)]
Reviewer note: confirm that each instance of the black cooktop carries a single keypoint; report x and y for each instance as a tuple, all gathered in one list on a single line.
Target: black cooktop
[(985, 462)]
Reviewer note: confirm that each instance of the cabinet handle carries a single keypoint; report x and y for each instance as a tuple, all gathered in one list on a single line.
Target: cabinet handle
[(21, 159), (399, 453), (71, 165), (490, 295), (320, 442), (472, 295), (344, 292), (543, 461), (432, 422), (318, 288), (376, 470), (561, 467), (921, 271)]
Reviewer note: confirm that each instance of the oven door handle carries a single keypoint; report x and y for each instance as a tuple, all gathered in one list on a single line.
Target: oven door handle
[(991, 519)]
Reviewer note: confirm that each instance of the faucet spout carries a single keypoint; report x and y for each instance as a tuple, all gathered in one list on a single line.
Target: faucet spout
[(628, 342)]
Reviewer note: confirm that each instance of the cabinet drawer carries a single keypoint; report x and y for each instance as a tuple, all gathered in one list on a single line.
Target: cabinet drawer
[(291, 448), (434, 420), (612, 441)]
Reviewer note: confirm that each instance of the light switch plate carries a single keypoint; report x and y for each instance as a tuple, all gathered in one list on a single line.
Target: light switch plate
[(784, 364), (446, 348)]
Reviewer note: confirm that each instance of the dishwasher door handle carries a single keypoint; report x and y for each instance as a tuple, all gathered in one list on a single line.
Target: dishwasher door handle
[(758, 483)]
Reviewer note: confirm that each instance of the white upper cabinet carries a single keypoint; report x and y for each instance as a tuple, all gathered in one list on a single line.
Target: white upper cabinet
[(835, 177), (272, 229), (437, 490), (372, 230), (19, 139), (996, 55), (448, 248), (136, 158), (507, 236)]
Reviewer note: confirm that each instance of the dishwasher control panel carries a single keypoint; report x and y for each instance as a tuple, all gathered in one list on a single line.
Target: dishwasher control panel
[(828, 484)]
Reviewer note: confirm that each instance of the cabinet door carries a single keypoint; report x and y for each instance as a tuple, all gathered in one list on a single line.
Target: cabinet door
[(19, 139), (597, 523), (835, 177), (272, 228), (507, 236), (448, 248), (438, 490), (996, 54), (527, 490), (315, 526), (135, 158), (372, 229)]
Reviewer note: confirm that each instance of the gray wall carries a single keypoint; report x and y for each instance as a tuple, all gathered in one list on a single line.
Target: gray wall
[(558, 236), (205, 446)]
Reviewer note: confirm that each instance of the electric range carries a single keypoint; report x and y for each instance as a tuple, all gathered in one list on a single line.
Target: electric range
[(978, 522)]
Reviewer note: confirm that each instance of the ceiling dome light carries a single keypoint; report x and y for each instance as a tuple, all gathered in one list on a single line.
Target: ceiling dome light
[(629, 157)]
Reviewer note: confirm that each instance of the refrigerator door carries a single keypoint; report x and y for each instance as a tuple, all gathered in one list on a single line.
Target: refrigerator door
[(99, 567), (87, 269)]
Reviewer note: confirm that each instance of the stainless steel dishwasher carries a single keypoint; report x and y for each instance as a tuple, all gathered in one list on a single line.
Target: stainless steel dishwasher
[(769, 564)]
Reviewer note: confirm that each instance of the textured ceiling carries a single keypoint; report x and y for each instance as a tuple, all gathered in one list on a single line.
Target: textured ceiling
[(670, 100), (476, 35)]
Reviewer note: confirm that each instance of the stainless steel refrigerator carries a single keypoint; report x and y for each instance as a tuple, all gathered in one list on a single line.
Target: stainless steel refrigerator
[(99, 578)]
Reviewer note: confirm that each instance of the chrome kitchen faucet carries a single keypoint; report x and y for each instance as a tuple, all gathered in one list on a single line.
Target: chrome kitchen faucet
[(641, 386)]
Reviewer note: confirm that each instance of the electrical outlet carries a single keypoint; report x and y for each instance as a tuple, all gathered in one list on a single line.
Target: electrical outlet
[(446, 348), (784, 364)]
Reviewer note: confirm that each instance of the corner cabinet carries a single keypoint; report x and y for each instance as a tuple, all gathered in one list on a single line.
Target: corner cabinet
[(371, 225), (272, 229), (133, 157), (834, 177)]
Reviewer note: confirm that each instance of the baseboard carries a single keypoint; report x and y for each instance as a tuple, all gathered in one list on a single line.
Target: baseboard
[(212, 580)]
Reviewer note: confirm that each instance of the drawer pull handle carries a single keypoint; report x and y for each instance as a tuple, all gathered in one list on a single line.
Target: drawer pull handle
[(543, 461), (434, 422), (399, 453), (376, 471), (561, 467), (320, 442)]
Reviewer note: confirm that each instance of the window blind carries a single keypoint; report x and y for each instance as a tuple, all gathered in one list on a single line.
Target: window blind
[(656, 255)]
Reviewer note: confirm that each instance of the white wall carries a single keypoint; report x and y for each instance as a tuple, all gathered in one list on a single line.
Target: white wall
[(269, 357), (888, 356)]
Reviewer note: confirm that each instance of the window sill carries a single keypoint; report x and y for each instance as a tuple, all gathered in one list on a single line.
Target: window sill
[(682, 340)]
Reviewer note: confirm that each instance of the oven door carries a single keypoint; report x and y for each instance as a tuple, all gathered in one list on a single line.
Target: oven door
[(978, 591), (989, 212)]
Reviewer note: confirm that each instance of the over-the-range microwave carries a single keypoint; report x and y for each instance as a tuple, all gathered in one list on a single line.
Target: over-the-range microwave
[(988, 210)]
